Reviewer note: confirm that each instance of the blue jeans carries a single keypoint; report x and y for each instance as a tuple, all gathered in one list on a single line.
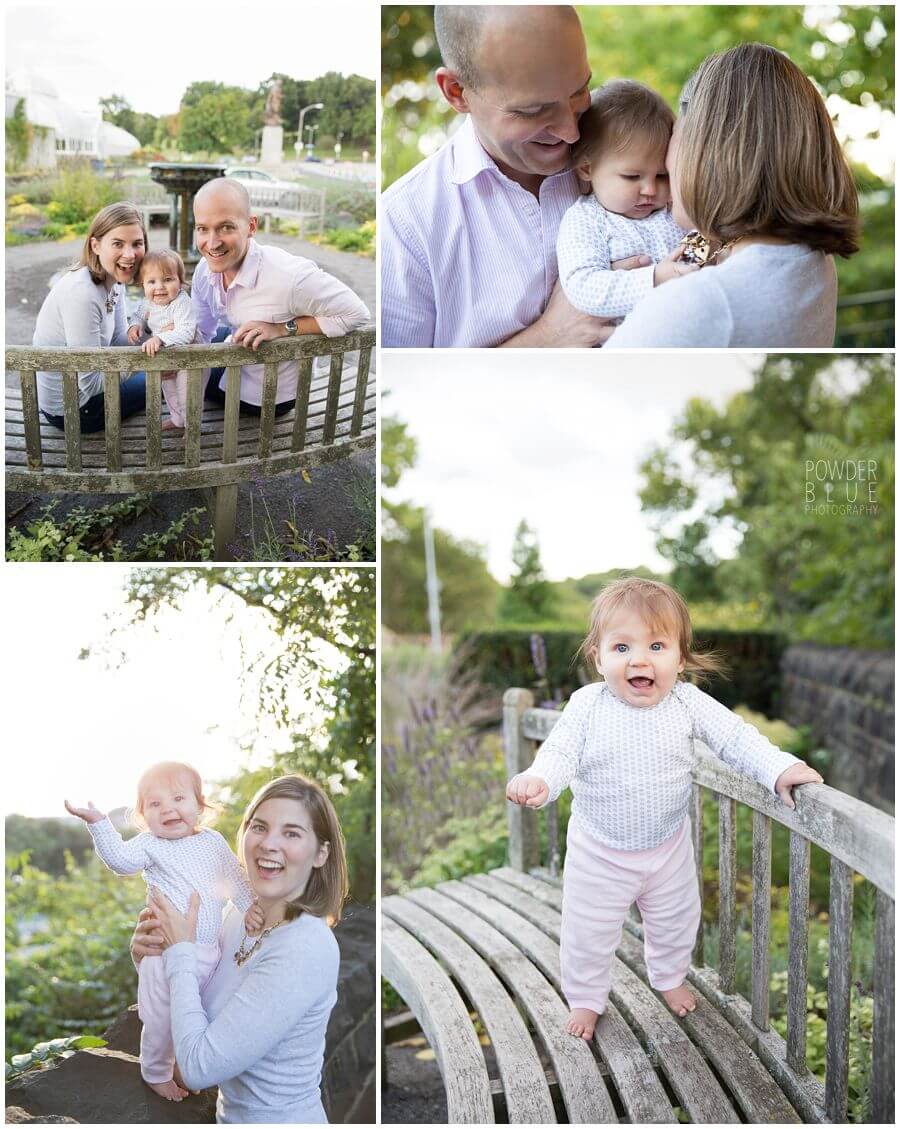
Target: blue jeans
[(216, 395), (132, 398)]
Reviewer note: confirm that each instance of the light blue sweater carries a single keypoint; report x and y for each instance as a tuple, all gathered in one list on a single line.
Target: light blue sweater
[(765, 296), (258, 1032)]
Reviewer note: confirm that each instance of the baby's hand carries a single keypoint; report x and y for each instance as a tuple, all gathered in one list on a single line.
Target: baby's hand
[(152, 347), (672, 266), (134, 334), (254, 918), (528, 790), (90, 814), (798, 773)]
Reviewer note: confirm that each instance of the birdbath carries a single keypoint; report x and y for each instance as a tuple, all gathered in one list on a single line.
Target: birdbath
[(183, 182)]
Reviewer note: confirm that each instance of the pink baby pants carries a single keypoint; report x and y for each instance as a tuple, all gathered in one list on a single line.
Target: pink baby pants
[(157, 1048), (599, 886), (175, 392)]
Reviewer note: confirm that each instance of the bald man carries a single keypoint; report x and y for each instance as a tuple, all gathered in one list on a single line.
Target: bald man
[(260, 292), (468, 237)]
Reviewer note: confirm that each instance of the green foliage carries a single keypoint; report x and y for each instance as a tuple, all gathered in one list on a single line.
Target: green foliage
[(79, 194), (117, 110), (348, 107), (359, 240), (90, 535), (44, 1054), (216, 122), (820, 576), (19, 134), (48, 841), (529, 595)]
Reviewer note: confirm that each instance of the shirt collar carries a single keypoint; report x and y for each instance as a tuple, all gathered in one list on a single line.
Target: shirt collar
[(469, 156), (249, 272)]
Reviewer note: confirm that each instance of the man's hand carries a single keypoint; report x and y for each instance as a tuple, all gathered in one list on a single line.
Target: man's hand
[(530, 791), (152, 346), (134, 334), (798, 773), (672, 266), (254, 919), (561, 326), (90, 814), (252, 333)]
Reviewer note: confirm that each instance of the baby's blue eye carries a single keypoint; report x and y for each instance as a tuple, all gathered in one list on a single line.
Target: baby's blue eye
[(656, 646), (620, 648)]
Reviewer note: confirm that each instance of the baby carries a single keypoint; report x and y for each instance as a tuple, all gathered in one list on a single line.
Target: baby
[(621, 153), (166, 312), (626, 747), (177, 855)]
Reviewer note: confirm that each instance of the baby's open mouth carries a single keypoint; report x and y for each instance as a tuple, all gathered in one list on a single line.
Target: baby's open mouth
[(171, 822), (640, 683)]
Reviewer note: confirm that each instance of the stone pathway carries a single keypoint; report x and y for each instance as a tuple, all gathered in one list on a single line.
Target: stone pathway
[(328, 506)]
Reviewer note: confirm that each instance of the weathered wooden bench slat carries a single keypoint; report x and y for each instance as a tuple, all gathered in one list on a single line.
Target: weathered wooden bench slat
[(225, 506), (798, 951), (112, 420), (301, 408), (32, 429), (883, 1065), (696, 816), (362, 381), (431, 997), (837, 1037), (727, 895), (153, 422), (530, 926), (691, 1080), (756, 1094), (761, 898), (524, 1084), (334, 388), (519, 753), (194, 408), (522, 956), (72, 420), (267, 409)]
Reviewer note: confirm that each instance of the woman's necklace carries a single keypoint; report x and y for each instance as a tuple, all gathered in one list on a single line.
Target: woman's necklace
[(696, 249), (112, 296), (242, 956)]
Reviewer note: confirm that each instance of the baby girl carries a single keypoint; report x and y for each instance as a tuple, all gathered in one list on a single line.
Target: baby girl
[(621, 153), (626, 747), (177, 856), (166, 313)]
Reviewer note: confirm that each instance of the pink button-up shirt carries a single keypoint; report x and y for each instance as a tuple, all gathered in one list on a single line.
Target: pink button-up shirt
[(274, 286), (468, 257)]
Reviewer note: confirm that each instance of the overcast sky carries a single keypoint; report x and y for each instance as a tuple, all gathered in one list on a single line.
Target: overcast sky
[(556, 439), (85, 729), (151, 53)]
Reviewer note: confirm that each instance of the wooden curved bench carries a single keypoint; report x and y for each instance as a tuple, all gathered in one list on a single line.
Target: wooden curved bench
[(490, 944), (334, 417)]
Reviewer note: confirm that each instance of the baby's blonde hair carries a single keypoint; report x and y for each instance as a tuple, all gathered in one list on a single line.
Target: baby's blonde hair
[(621, 111), (173, 772), (661, 608)]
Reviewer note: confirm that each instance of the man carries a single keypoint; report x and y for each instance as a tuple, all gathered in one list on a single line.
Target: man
[(468, 244), (261, 292)]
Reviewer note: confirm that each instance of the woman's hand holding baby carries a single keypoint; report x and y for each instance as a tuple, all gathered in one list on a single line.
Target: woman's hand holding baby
[(134, 334), (90, 814), (254, 919), (147, 938), (174, 926), (798, 773), (528, 790)]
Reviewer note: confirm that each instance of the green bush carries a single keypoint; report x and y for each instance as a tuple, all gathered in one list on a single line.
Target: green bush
[(360, 240), (79, 194)]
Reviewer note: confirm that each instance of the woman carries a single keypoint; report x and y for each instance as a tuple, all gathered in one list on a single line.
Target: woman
[(258, 1032), (86, 310), (756, 167)]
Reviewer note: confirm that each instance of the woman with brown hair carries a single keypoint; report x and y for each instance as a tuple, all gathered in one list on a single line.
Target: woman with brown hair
[(86, 310), (757, 170), (258, 1028)]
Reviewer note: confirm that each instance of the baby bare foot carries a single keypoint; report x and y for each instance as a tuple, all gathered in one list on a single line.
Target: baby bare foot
[(169, 425), (171, 1091), (581, 1022), (179, 1081), (680, 1000)]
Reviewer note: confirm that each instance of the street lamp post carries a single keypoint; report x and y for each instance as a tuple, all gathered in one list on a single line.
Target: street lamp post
[(298, 144)]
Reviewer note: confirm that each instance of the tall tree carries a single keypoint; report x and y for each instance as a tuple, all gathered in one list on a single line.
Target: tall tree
[(530, 595)]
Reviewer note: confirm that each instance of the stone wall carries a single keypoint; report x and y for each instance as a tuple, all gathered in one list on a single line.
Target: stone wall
[(846, 697), (104, 1086)]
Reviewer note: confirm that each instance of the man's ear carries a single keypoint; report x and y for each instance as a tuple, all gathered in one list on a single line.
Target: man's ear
[(452, 89), (254, 224)]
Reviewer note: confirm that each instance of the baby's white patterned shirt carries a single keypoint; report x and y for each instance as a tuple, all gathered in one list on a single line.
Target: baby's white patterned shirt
[(591, 239), (630, 767), (203, 862)]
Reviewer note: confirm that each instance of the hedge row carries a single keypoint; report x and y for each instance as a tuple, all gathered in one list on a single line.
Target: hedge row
[(505, 658)]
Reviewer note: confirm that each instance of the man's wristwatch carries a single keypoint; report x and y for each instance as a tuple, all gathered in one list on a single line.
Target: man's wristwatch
[(291, 327)]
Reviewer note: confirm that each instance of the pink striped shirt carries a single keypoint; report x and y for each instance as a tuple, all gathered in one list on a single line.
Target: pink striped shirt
[(468, 257)]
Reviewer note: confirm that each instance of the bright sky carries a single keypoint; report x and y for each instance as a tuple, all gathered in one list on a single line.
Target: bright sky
[(499, 440), (150, 53), (86, 729)]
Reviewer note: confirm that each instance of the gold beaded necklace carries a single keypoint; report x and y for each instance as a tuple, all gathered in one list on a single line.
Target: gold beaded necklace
[(242, 956)]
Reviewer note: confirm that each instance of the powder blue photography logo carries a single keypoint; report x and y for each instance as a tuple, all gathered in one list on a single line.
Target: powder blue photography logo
[(842, 487)]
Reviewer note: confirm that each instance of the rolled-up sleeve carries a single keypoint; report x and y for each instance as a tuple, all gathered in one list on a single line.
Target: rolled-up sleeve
[(335, 307)]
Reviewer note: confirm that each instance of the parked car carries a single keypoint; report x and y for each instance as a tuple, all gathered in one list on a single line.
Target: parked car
[(262, 186)]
